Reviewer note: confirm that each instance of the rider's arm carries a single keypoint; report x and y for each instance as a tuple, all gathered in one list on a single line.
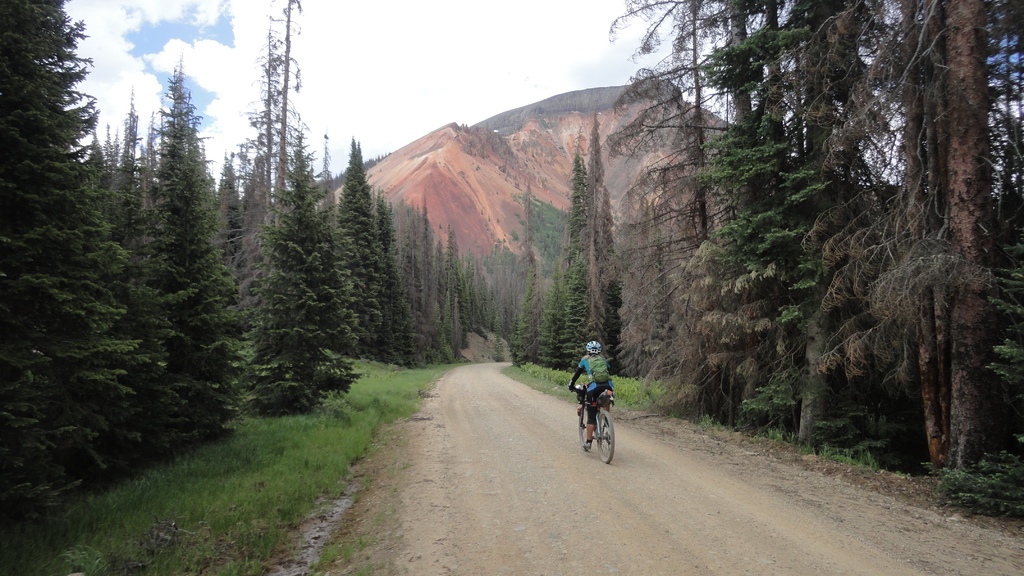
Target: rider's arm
[(580, 370)]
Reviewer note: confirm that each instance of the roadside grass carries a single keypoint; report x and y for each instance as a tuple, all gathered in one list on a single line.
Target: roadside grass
[(227, 507), (637, 394), (630, 393)]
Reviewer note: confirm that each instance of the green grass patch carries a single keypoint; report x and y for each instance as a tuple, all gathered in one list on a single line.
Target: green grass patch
[(226, 507), (779, 435), (851, 456), (629, 392)]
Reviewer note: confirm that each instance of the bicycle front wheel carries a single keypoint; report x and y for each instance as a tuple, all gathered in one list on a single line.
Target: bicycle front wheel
[(606, 439)]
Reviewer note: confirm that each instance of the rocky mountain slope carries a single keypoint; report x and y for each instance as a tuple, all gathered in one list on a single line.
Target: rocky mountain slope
[(472, 178)]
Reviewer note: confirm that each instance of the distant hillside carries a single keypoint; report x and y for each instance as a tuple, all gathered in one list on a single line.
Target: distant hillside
[(584, 101), (473, 178)]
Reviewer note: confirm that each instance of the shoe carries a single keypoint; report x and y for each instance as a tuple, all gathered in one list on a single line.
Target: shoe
[(586, 446)]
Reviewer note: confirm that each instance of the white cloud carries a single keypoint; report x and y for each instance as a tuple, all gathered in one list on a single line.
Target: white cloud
[(384, 74)]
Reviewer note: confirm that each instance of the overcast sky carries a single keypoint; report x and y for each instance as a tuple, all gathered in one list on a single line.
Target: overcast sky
[(384, 73)]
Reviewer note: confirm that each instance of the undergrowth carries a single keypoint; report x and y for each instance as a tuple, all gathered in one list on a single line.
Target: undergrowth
[(994, 486), (629, 392), (227, 507)]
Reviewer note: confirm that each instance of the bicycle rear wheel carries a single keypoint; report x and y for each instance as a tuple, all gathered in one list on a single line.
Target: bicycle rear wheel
[(606, 439), (583, 426)]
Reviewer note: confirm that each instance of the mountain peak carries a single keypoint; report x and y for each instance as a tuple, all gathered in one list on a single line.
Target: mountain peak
[(473, 178)]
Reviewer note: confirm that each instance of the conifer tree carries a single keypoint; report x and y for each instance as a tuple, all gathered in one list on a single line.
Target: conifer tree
[(578, 327), (602, 274), (578, 217), (357, 225), (395, 342), (230, 216), (286, 77), (526, 339), (303, 331), (417, 261), (59, 352), (553, 323), (454, 297), (147, 428), (202, 349)]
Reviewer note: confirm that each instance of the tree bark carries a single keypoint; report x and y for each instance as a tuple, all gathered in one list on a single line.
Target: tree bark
[(976, 414), (814, 394), (282, 138)]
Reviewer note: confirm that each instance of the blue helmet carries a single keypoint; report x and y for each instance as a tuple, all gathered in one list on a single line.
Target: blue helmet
[(593, 347)]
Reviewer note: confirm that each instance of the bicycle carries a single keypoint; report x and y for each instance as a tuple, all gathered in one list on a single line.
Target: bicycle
[(604, 431)]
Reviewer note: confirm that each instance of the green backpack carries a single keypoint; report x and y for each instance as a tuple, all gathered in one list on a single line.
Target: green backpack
[(599, 369)]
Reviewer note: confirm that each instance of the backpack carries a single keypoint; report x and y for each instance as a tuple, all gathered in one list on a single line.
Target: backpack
[(599, 369)]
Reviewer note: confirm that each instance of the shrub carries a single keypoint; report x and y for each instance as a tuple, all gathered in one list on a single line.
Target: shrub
[(994, 486), (629, 392)]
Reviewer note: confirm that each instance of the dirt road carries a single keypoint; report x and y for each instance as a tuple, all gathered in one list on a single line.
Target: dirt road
[(489, 479)]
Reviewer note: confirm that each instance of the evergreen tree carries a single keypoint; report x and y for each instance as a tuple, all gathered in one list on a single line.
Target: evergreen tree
[(602, 276), (395, 343), (553, 323), (578, 219), (304, 329), (577, 327), (357, 224), (416, 256), (230, 217), (526, 339), (202, 349), (59, 354), (146, 429), (456, 295)]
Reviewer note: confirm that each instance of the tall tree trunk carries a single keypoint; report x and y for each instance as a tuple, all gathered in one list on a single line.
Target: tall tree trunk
[(814, 389), (976, 414), (282, 158), (924, 103), (933, 367)]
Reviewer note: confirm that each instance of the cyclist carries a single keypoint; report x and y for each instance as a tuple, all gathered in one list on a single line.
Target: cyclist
[(596, 367)]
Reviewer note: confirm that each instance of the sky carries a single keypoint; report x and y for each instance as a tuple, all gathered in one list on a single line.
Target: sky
[(381, 73)]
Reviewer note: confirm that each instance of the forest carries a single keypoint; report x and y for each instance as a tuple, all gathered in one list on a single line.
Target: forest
[(147, 304), (829, 252)]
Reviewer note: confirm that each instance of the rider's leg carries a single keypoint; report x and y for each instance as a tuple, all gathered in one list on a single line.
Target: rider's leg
[(592, 410), (591, 421)]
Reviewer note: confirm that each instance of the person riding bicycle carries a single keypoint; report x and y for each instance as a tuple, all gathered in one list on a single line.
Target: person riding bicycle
[(597, 369)]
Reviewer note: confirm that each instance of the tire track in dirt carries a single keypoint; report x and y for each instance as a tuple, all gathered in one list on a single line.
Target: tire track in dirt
[(492, 481)]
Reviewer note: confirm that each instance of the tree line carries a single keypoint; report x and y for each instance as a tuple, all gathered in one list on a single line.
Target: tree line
[(144, 305), (831, 246), (828, 247)]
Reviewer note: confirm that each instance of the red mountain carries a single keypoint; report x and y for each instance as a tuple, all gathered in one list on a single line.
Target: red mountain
[(473, 178)]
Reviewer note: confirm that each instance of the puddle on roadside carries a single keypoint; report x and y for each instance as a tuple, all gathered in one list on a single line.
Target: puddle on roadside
[(314, 534)]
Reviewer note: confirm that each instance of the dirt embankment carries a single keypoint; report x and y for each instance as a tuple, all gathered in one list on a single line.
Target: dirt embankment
[(488, 478)]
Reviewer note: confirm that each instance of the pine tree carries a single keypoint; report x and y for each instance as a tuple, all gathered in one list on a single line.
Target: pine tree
[(602, 277), (202, 349), (230, 217), (303, 330), (526, 339), (395, 342), (456, 299), (59, 354), (286, 77), (356, 221), (578, 214), (146, 430), (577, 327), (553, 324)]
